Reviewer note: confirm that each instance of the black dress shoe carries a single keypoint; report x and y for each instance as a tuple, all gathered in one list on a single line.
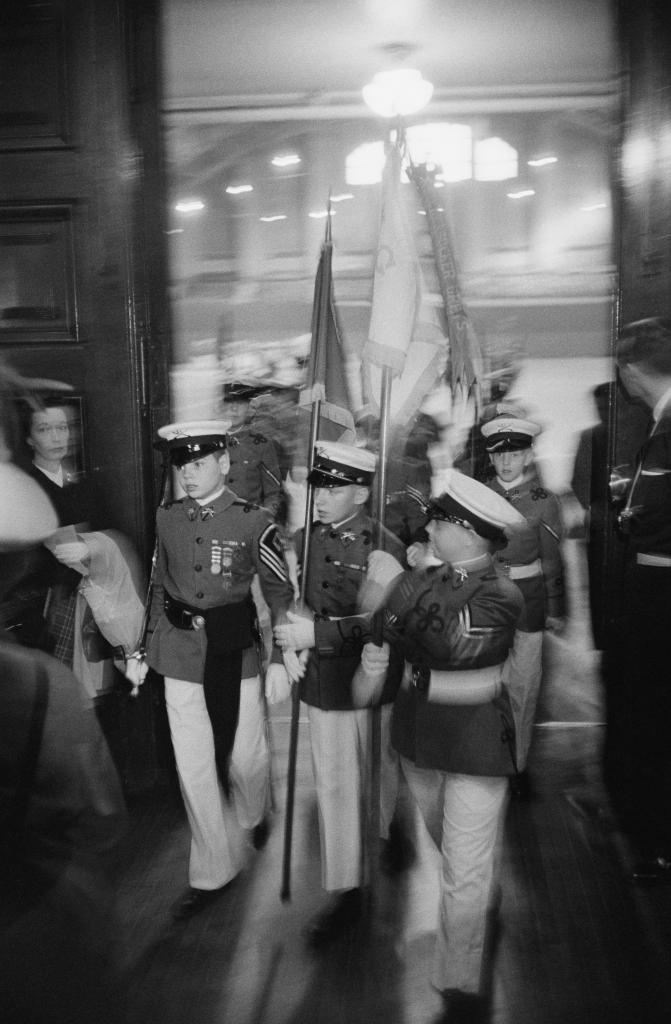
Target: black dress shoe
[(520, 785), (344, 911), (193, 901), (260, 834), (655, 871), (463, 1008), (397, 853)]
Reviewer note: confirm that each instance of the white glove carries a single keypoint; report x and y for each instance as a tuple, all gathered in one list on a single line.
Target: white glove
[(295, 664), (375, 659), (368, 680), (297, 632), (420, 556), (135, 672), (74, 554), (278, 686)]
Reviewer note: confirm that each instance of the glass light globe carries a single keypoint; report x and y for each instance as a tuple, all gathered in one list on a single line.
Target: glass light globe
[(397, 93)]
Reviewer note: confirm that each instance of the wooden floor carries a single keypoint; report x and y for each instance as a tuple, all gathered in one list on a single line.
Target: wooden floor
[(577, 943)]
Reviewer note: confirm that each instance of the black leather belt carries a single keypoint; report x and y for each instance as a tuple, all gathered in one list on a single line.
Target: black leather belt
[(182, 615)]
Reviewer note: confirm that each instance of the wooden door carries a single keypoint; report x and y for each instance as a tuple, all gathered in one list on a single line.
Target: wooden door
[(82, 273)]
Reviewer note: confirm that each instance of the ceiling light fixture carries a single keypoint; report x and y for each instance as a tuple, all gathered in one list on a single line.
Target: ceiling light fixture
[(290, 160), (397, 93), (189, 205)]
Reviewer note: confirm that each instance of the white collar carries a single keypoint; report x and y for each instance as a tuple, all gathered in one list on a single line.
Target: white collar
[(57, 478), (513, 483), (213, 497), (337, 526)]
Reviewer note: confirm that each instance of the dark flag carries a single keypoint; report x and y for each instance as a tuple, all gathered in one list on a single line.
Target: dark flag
[(465, 357), (326, 380)]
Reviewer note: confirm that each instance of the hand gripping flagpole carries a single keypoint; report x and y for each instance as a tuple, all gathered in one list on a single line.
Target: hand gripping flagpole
[(318, 339), (142, 644)]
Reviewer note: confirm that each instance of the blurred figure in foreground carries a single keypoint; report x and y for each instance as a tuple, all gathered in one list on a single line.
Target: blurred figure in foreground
[(61, 813), (589, 483), (638, 751)]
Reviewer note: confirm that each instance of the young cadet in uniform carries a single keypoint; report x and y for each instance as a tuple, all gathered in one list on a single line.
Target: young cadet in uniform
[(454, 624), (210, 545), (532, 559), (342, 550), (255, 469)]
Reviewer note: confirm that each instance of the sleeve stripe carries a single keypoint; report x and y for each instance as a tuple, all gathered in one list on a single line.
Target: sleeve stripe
[(550, 530), (269, 554)]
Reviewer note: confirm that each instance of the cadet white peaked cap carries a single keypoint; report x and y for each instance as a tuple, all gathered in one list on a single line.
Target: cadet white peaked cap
[(487, 512), (338, 465), (509, 432), (194, 439), (27, 516)]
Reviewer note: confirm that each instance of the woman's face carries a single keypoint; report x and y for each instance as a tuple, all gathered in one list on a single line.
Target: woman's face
[(49, 435)]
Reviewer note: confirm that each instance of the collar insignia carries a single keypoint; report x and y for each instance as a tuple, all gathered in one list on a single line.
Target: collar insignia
[(461, 575)]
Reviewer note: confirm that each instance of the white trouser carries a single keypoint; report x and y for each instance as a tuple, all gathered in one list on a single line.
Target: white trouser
[(341, 760), (522, 674), (217, 846), (471, 808)]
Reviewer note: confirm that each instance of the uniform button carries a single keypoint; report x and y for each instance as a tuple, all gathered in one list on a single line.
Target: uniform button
[(327, 558), (197, 568), (200, 595), (333, 535), (325, 611), (325, 585), (199, 540)]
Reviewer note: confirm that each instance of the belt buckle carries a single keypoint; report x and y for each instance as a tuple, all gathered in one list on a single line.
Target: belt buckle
[(197, 622)]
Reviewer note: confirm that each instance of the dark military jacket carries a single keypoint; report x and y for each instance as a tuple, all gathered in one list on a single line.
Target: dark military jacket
[(255, 469), (648, 516), (439, 620), (544, 594), (207, 557), (337, 569)]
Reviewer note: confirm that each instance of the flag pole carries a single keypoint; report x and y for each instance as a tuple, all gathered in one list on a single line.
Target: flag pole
[(318, 338)]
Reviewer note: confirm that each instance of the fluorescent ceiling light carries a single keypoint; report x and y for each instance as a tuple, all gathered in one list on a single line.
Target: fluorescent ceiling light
[(271, 220), (289, 160), (542, 161), (523, 193), (237, 190), (189, 205)]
